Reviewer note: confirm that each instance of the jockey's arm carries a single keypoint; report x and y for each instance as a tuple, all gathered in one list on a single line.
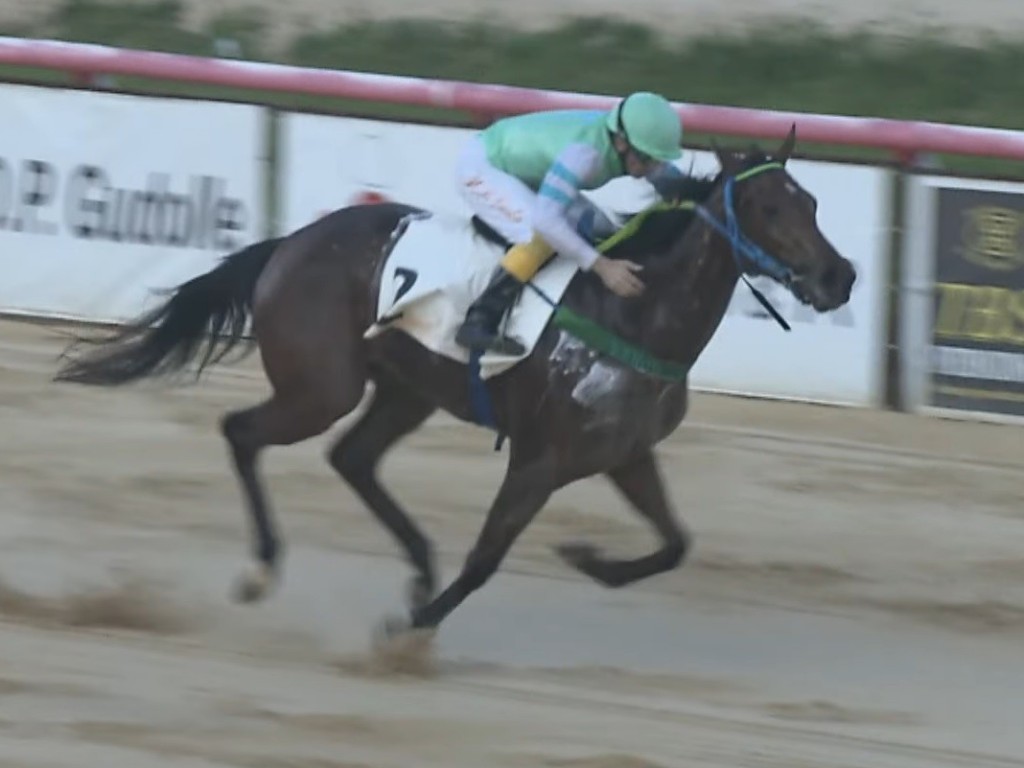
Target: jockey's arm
[(662, 178), (558, 190)]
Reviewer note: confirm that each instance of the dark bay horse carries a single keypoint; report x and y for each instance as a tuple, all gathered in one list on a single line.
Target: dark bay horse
[(568, 411)]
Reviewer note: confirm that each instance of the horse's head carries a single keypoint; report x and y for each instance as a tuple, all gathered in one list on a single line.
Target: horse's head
[(776, 214)]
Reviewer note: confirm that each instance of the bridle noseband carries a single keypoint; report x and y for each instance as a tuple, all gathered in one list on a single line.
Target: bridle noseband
[(750, 257)]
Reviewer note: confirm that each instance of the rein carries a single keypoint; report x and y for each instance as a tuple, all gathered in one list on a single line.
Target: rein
[(749, 256), (757, 259)]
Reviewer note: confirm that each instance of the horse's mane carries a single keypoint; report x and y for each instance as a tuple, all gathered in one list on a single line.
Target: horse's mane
[(661, 227)]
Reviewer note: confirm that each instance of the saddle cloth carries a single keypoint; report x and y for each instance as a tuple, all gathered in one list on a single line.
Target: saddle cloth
[(437, 266)]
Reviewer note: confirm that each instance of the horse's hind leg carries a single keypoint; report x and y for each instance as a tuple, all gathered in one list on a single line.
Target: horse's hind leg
[(284, 419), (640, 483), (393, 413)]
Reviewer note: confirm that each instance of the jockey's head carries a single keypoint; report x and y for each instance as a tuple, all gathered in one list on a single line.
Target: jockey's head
[(646, 130)]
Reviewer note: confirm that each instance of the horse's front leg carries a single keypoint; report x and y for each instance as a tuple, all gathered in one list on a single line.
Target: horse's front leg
[(524, 491), (640, 482)]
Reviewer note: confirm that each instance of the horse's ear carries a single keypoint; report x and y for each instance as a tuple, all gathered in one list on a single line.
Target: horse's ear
[(787, 145)]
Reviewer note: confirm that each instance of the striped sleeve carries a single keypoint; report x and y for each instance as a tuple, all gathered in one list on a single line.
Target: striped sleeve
[(568, 173), (571, 169)]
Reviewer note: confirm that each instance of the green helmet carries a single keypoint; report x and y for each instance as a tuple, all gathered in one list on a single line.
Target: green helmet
[(649, 123)]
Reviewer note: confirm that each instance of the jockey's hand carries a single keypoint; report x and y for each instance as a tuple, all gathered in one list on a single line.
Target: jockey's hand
[(617, 275)]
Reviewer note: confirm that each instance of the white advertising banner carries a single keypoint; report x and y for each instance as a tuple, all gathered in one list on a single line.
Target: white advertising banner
[(106, 197), (330, 162)]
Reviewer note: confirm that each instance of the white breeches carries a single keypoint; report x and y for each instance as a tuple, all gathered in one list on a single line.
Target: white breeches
[(502, 201), (506, 204)]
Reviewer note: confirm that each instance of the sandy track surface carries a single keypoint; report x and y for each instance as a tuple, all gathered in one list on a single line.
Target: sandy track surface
[(855, 597), (675, 18)]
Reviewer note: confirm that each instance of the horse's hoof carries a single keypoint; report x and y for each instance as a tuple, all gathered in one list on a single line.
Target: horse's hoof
[(389, 628), (418, 592), (401, 648), (254, 584)]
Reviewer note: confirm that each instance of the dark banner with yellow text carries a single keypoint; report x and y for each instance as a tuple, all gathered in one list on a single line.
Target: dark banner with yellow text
[(977, 333)]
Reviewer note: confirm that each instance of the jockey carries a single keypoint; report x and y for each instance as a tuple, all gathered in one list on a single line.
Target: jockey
[(522, 176)]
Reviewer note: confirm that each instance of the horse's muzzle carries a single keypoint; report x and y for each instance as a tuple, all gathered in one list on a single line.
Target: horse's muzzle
[(831, 287)]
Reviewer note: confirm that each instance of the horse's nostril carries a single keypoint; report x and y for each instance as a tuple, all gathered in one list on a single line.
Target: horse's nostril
[(849, 278), (838, 278)]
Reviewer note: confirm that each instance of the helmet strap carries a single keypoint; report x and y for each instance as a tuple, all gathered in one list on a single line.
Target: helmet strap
[(620, 128), (619, 125)]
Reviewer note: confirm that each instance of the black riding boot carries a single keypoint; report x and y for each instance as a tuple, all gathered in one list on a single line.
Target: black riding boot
[(480, 329)]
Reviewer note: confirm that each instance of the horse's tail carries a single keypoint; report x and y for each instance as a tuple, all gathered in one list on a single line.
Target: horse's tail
[(205, 316)]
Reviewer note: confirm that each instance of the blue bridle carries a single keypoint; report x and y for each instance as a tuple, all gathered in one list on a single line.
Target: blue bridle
[(749, 256)]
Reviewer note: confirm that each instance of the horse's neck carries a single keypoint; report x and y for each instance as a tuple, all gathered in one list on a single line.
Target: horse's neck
[(688, 290), (688, 301)]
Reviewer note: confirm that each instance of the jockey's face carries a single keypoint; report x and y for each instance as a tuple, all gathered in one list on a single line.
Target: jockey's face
[(637, 164)]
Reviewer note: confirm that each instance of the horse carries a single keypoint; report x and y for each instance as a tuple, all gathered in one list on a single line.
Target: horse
[(310, 296)]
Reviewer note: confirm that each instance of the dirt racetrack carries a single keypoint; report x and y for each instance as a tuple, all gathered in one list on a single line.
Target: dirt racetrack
[(968, 23), (855, 597)]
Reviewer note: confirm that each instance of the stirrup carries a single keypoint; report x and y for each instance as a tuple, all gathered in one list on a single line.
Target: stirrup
[(474, 336)]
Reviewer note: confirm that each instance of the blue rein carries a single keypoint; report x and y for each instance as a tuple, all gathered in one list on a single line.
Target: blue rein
[(749, 256)]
